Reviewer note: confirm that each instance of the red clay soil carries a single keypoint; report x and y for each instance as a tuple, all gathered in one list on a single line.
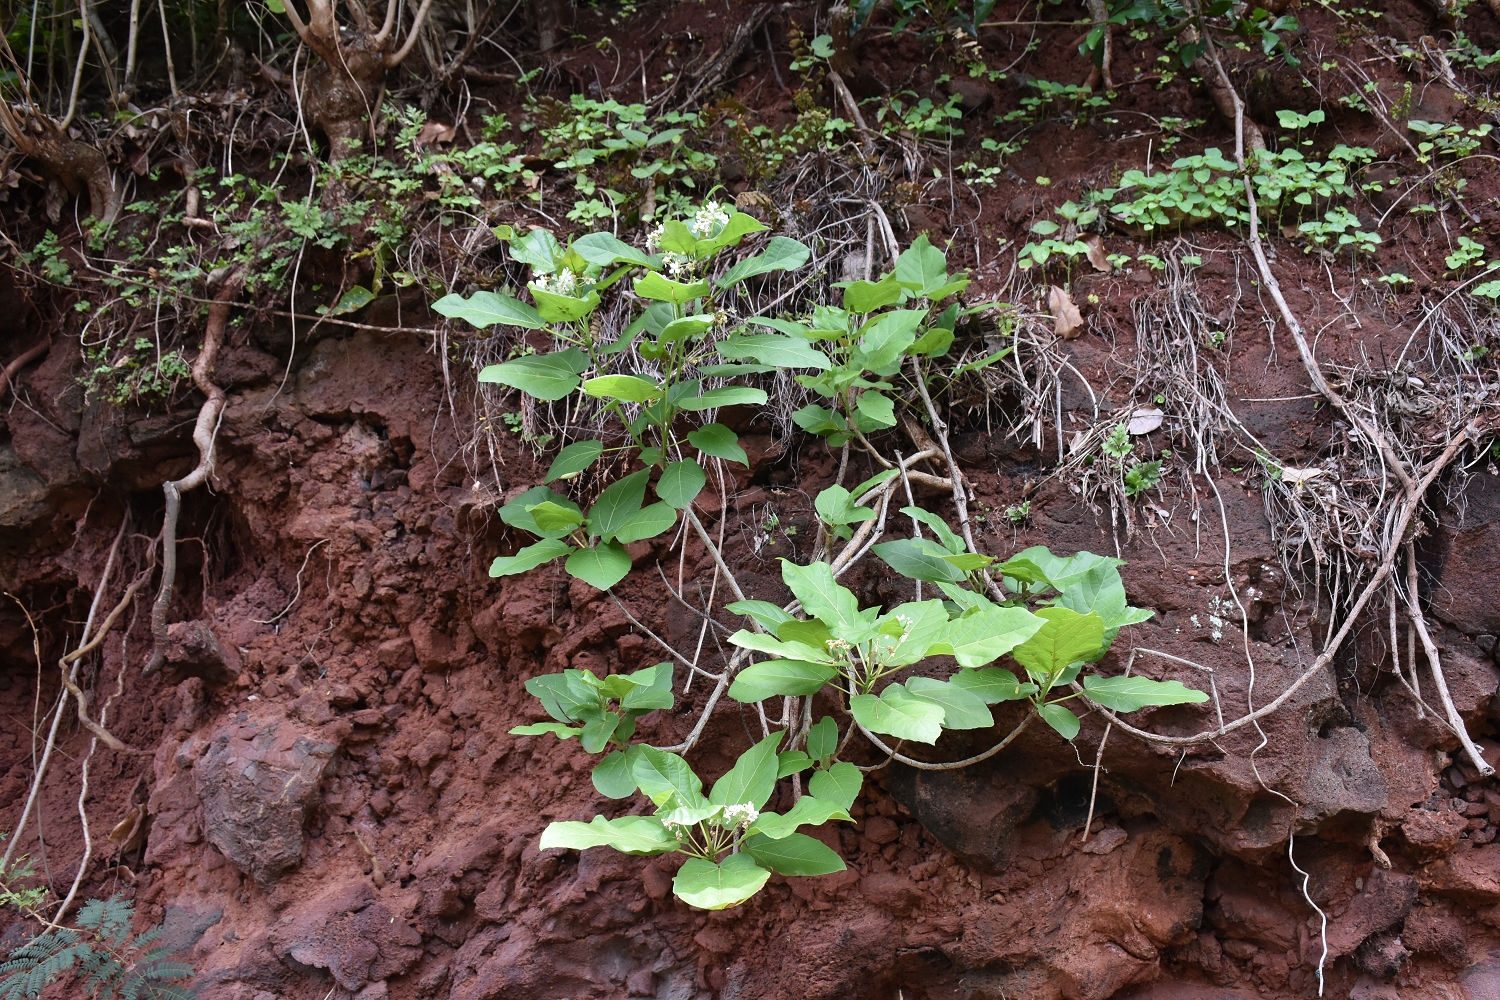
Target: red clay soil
[(331, 806)]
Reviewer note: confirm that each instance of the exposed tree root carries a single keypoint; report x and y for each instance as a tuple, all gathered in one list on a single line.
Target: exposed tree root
[(25, 358), (204, 431)]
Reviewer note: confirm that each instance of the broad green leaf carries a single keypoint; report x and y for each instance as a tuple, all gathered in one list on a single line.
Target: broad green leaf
[(897, 713), (817, 419), (530, 557), (821, 595), (627, 387), (770, 678), (992, 685), (487, 309), (861, 491), (678, 238), (840, 784), (1101, 591), (737, 228), (710, 886), (934, 343), (653, 691), (729, 395), (516, 514), (939, 527), (811, 633), (733, 371), (962, 709), (552, 517), (654, 286), (648, 522), (781, 254), (548, 377), (664, 777), (787, 763), (690, 815), (538, 248), (968, 561), (1063, 573), (918, 559), (776, 646), (886, 338), (1129, 694), (681, 329), (556, 308), (868, 296), (966, 600), (774, 349), (563, 698), (1060, 719), (809, 811), (598, 730), (823, 739), (619, 502), (561, 730), (983, 636), (602, 566), (767, 614), (794, 854), (922, 626), (719, 441), (1064, 639), (922, 268), (574, 459), (681, 482), (835, 506), (604, 249), (877, 409), (1024, 571), (629, 834), (612, 776), (753, 777)]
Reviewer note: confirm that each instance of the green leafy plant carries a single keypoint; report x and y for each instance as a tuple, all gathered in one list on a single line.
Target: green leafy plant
[(732, 842), (565, 286), (100, 957), (1080, 608), (1469, 253), (134, 374)]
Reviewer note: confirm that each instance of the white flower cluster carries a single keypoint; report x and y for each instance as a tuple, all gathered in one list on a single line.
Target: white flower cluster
[(678, 265), (708, 220), (837, 646), (740, 815), (564, 282)]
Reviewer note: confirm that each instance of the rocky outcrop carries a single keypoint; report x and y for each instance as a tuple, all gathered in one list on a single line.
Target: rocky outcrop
[(256, 778)]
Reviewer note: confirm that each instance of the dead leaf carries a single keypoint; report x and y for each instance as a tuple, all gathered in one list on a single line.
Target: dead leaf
[(1095, 243), (1144, 421), (1067, 321), (434, 133), (1297, 477), (130, 832), (140, 162)]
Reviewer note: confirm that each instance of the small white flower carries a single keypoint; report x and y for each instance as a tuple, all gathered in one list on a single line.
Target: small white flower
[(564, 282), (653, 238), (676, 264), (740, 815), (709, 220)]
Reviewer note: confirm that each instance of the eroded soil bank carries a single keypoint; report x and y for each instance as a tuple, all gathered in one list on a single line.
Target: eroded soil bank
[(327, 802)]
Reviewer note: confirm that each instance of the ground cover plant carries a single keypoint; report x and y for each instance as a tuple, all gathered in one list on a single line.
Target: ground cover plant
[(645, 381)]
